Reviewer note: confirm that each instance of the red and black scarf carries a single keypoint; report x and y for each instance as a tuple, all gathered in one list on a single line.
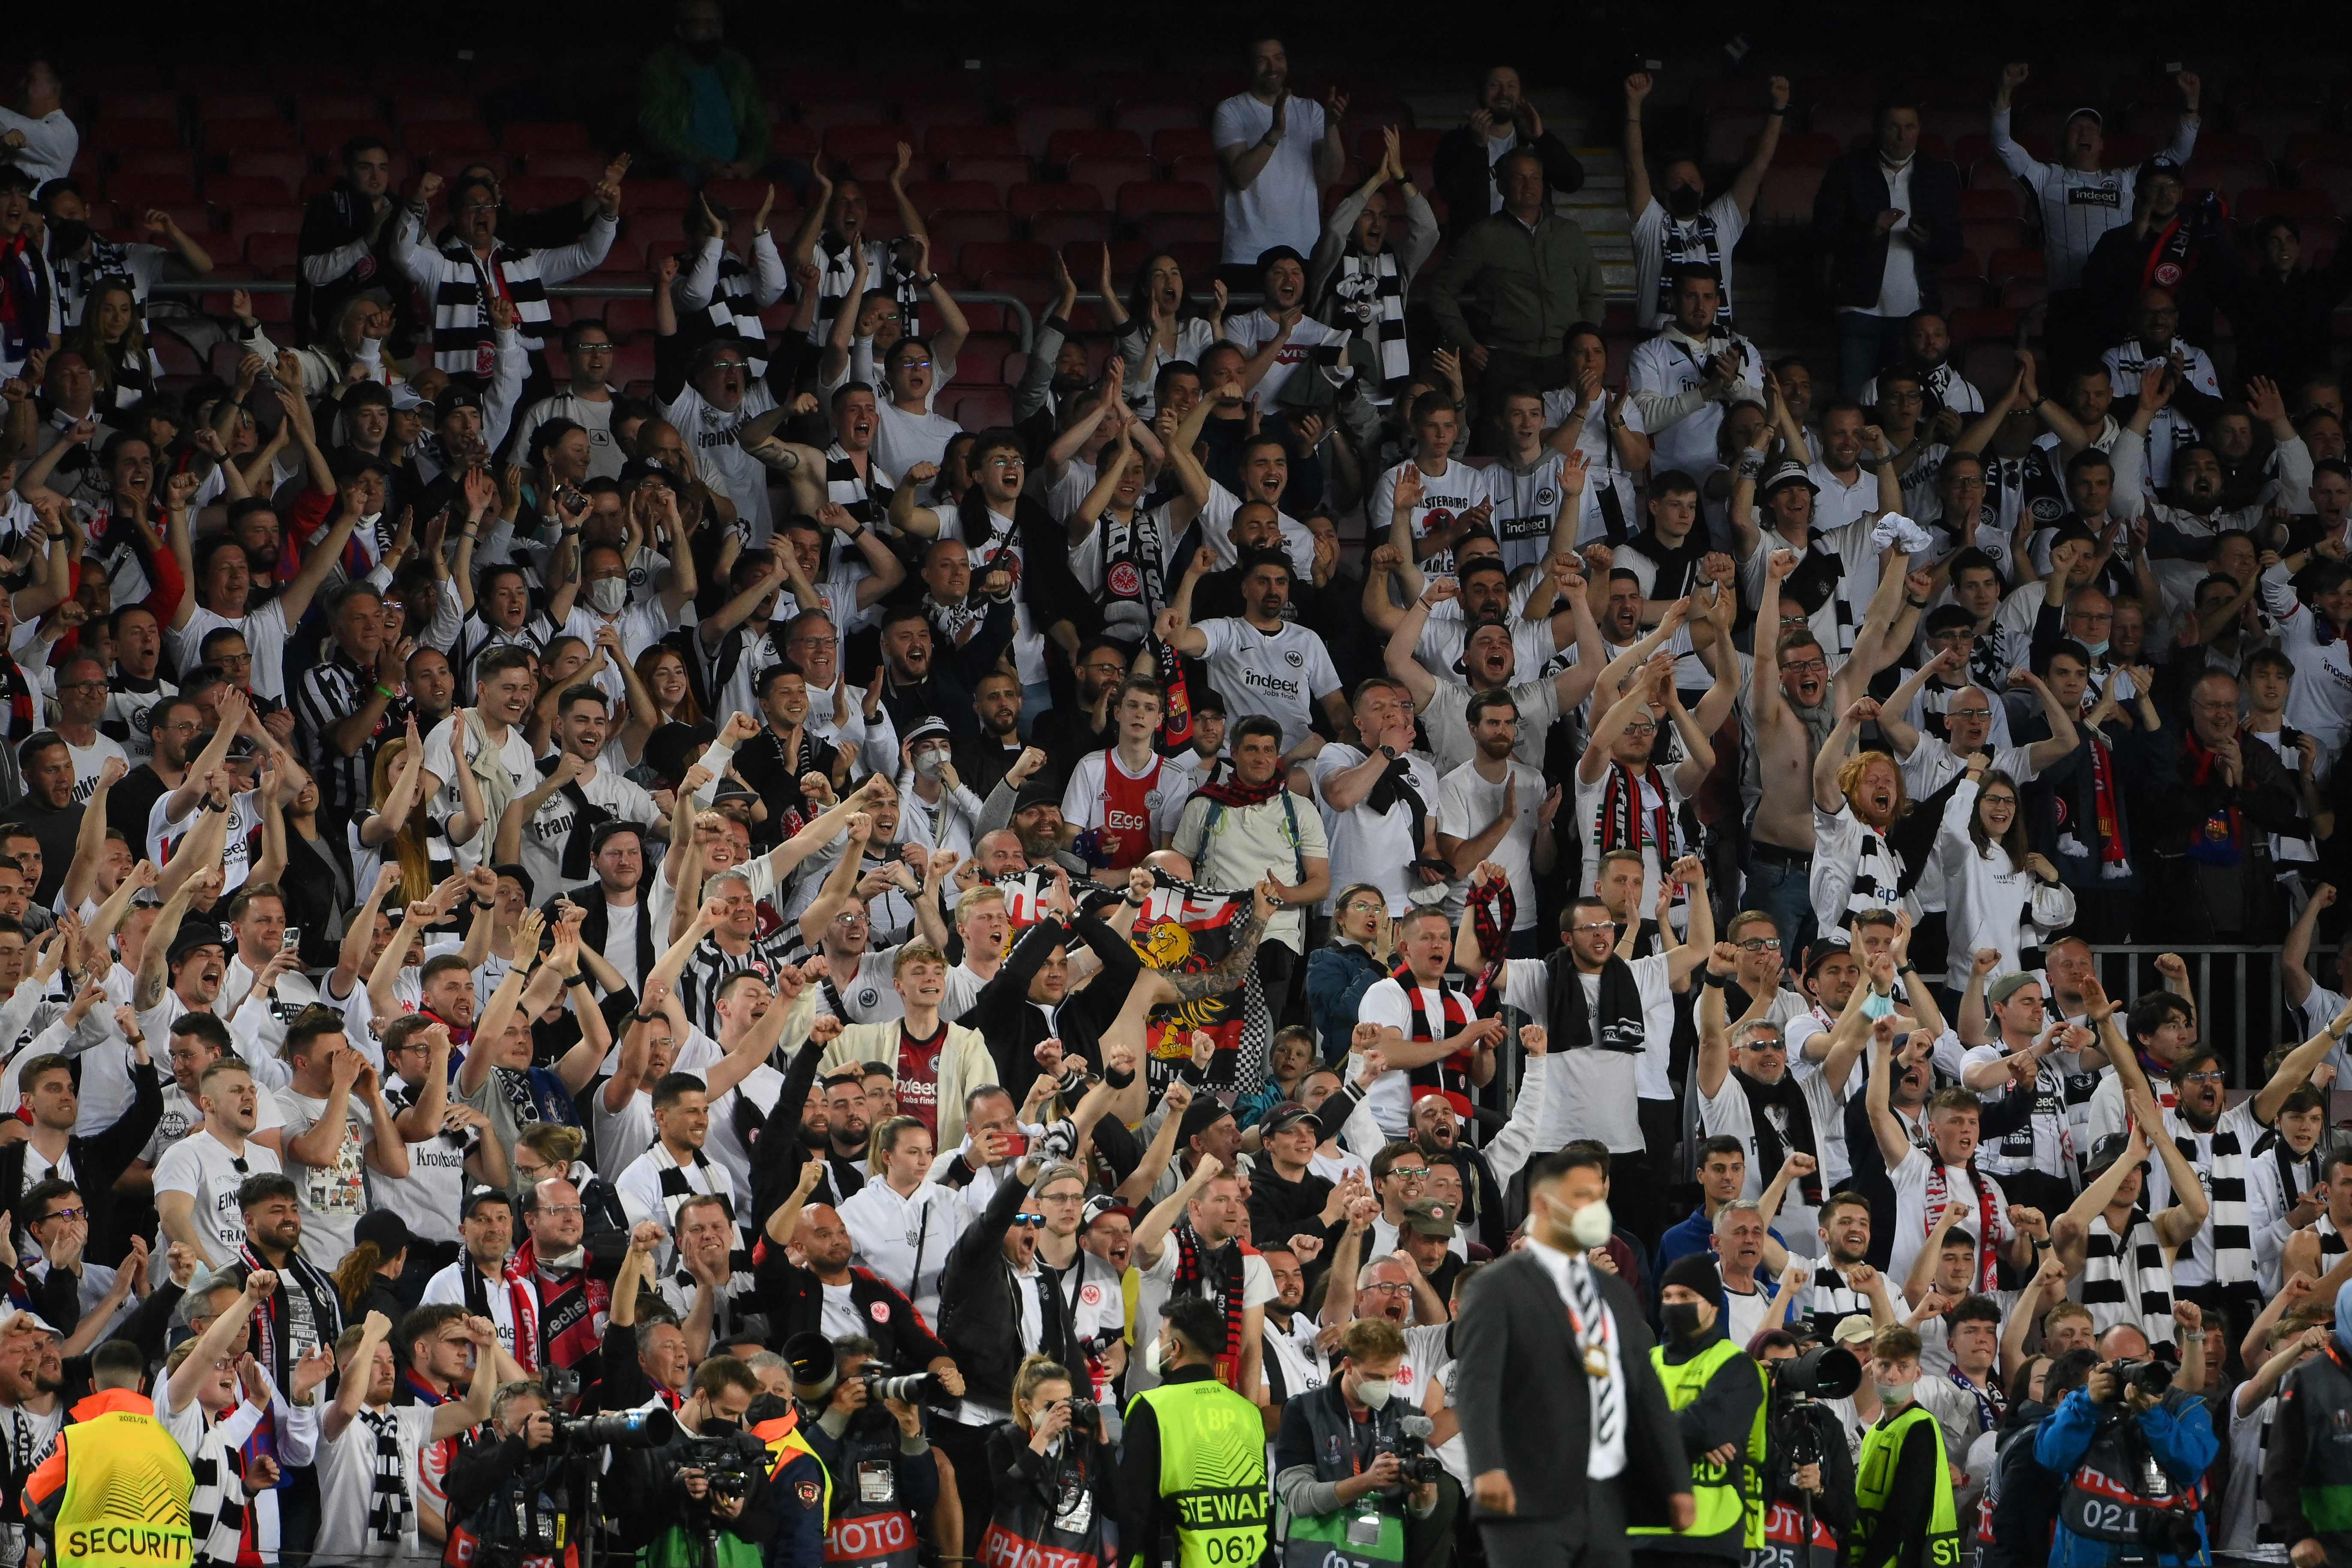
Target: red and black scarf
[(1194, 1261), (2105, 803), (1938, 1198), (1176, 705), (556, 1324), (1233, 794), (1451, 1075), (1624, 825), (2219, 839)]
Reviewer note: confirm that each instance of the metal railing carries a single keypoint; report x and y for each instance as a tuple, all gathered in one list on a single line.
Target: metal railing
[(190, 288), (2232, 1018)]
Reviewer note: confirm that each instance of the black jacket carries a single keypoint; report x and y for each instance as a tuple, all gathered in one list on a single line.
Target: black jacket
[(1466, 175), (980, 1321), (597, 924), (1853, 192), (97, 1160), (1525, 1401), (794, 1297), (1013, 1026)]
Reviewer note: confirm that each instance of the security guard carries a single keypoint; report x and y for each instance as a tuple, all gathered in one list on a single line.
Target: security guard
[(1904, 1516), (1717, 1392), (1194, 1469), (114, 1491), (802, 1488)]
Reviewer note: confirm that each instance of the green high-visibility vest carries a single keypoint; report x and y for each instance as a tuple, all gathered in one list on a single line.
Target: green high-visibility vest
[(1730, 1498), (1874, 1483), (1212, 1473)]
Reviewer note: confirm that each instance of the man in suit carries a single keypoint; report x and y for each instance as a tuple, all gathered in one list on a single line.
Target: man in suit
[(52, 1151), (1586, 1401)]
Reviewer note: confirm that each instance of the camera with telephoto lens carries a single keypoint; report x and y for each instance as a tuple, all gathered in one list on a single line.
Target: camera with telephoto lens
[(1417, 1464), (612, 1429), (909, 1387), (1798, 1385), (2153, 1378), (561, 1382), (724, 1465)]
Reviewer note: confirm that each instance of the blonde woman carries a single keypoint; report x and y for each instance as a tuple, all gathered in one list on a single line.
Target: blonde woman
[(1051, 1469)]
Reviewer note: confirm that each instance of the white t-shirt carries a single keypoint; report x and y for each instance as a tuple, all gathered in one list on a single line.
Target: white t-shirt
[(442, 764), (1283, 205), (334, 1196), (347, 1481), (264, 638), (202, 1166), (1373, 846), (163, 835), (1447, 720), (1650, 232), (1445, 496), (1467, 805), (1279, 674), (1389, 1100), (1912, 1220), (549, 830), (1255, 331), (1595, 1093), (87, 760), (902, 439)]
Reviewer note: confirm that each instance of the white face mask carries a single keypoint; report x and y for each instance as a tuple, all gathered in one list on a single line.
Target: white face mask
[(1154, 1354), (1893, 1393), (610, 596), (1588, 1226), (2096, 650), (1371, 1392)]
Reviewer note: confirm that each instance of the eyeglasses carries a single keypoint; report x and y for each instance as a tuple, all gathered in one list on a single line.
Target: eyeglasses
[(1362, 907), (914, 364), (2009, 800), (1591, 925), (67, 1213), (2212, 1078), (1968, 713), (1804, 666), (1765, 1046), (561, 1209), (81, 686), (1404, 1289), (1760, 944)]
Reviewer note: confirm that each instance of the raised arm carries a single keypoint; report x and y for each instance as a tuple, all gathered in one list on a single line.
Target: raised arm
[(1827, 796)]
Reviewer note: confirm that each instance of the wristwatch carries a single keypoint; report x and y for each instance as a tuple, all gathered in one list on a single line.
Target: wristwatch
[(1388, 750)]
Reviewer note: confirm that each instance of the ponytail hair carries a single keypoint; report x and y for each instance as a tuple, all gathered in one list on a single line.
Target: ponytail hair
[(355, 1273), (1036, 1370)]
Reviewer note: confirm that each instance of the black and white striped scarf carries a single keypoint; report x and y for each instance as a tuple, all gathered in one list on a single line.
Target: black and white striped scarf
[(218, 1504), (1365, 297), (1135, 582), (1691, 240), (867, 495), (2332, 1243), (392, 1513), (2219, 1157), (733, 315), (1819, 580), (2046, 1141), (681, 1182), (735, 1313), (2126, 1279), (459, 282), (840, 274), (1832, 1299)]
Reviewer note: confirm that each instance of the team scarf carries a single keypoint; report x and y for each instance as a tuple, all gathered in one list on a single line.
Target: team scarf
[(586, 818), (1365, 296), (272, 1326), (1234, 795), (1175, 736), (1686, 240), (463, 286), (1773, 1146), (2220, 838), (1133, 566), (1451, 1075), (2126, 1279), (678, 1186), (2229, 1224), (1624, 825), (555, 1324), (1938, 1196), (1991, 1403), (390, 1512), (2108, 808), (1494, 910), (1196, 1260), (521, 1307)]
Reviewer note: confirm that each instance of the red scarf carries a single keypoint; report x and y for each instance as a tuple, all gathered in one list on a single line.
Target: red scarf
[(1621, 821), (1233, 794), (576, 1341), (2201, 774), (2103, 804), (1938, 1198), (1450, 1077)]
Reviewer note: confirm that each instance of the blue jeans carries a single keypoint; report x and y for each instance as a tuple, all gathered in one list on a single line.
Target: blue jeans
[(1864, 345), (1785, 892)]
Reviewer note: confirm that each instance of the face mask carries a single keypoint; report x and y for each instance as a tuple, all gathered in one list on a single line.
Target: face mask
[(1682, 201), (1373, 1392), (1154, 1354), (931, 762), (1876, 1006), (70, 235), (2096, 650), (713, 1425), (1588, 1226), (1893, 1393), (610, 596), (1681, 1319)]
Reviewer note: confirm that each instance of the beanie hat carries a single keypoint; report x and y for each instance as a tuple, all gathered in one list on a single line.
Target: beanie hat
[(1695, 1271)]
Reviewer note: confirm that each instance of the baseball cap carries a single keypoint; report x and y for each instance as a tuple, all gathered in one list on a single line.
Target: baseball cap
[(1787, 471), (2087, 113), (2163, 165), (2105, 1153), (2009, 984), (478, 1195), (1285, 1117), (387, 1229), (1206, 1112), (1273, 254), (1036, 793), (1430, 1217), (1103, 1204), (29, 1319), (1853, 1329), (926, 727)]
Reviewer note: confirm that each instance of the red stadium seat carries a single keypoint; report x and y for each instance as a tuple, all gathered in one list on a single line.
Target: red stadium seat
[(2000, 204), (412, 109), (1731, 136), (243, 222), (951, 230), (1164, 230), (954, 196), (787, 139), (1149, 117), (743, 197), (214, 106), (982, 360), (1148, 198), (866, 141), (1030, 198), (1016, 256), (434, 139), (230, 192), (623, 318), (823, 114), (529, 193), (326, 136), (1806, 149), (977, 407), (1034, 123), (1786, 196), (1007, 174), (2018, 261), (948, 110), (1107, 172), (1986, 236), (1060, 230), (1091, 141), (2301, 148), (2304, 206), (176, 162), (286, 168), (249, 135), (138, 191), (585, 167), (943, 143), (1204, 169), (309, 106), (119, 105), (2332, 177), (525, 137), (271, 254), (2234, 181), (118, 135), (1181, 141)]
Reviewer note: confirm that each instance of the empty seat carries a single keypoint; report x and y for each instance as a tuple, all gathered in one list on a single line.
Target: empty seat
[(2301, 147), (263, 217), (271, 253), (2331, 176), (176, 162), (588, 166), (1164, 230), (1031, 197), (525, 137), (1731, 136), (1175, 142), (1806, 150), (1986, 236), (1107, 172), (1991, 205), (436, 139), (2302, 205), (2234, 181), (943, 143), (823, 114), (1148, 117), (230, 192), (868, 141), (413, 109), (328, 135), (1034, 123), (1204, 169), (214, 106), (309, 106), (152, 190), (1007, 174), (528, 192), (285, 167), (1140, 199), (1786, 196), (1062, 229), (951, 230), (124, 105), (249, 135), (2018, 261), (948, 110), (119, 134), (983, 360), (1092, 141), (955, 196), (977, 407), (1008, 256)]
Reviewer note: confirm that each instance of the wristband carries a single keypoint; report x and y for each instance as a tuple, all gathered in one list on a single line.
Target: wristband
[(1915, 603), (1119, 1078), (1709, 977), (1907, 969), (642, 1016), (387, 693), (575, 980), (1751, 463)]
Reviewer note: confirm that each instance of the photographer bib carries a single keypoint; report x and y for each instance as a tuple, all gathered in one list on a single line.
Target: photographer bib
[(1025, 1532), (1785, 1545)]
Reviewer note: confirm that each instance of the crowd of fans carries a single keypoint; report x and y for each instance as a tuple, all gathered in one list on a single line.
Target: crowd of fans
[(524, 897)]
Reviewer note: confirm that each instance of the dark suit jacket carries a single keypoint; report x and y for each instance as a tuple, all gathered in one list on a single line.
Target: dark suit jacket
[(1845, 224), (595, 926), (97, 1160), (1465, 178), (1525, 1403)]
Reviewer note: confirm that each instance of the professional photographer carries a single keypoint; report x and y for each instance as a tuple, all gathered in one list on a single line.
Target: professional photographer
[(1352, 1470), (516, 1498), (710, 1500), (1716, 1392), (2021, 1498), (885, 1471), (1053, 1473), (2137, 1449), (1808, 1468)]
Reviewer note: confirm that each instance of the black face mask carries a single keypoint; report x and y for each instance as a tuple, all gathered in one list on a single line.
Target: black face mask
[(716, 1425), (1682, 201), (71, 235), (1681, 1319)]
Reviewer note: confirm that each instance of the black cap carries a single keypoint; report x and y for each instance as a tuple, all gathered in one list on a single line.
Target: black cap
[(1821, 949), (457, 396), (1036, 793), (1273, 254), (478, 1195), (607, 831), (1206, 699), (2164, 164), (925, 727), (1285, 1117), (519, 874), (2105, 1153), (1695, 1271), (387, 1229), (195, 930), (1206, 1112)]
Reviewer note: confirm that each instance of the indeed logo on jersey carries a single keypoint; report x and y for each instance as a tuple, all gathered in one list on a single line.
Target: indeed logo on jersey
[(2095, 196)]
